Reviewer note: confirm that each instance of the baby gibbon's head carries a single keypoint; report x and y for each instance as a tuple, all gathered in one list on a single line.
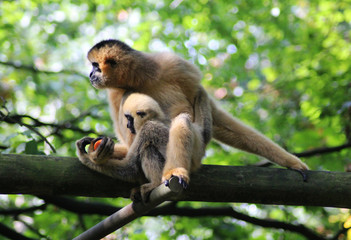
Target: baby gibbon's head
[(139, 108)]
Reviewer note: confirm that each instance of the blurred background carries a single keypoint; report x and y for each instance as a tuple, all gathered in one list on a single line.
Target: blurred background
[(281, 67)]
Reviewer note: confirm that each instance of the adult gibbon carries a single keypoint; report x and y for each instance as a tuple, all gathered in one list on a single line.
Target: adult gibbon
[(175, 84), (148, 135)]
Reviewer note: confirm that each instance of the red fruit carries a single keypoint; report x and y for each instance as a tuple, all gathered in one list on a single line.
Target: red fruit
[(97, 143)]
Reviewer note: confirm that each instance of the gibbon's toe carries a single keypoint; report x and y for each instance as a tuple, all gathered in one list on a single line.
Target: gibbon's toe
[(182, 175), (183, 183), (302, 172), (135, 195)]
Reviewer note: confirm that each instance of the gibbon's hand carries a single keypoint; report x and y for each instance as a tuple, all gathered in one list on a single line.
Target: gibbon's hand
[(98, 156)]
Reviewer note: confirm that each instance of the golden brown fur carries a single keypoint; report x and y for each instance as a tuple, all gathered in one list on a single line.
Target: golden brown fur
[(175, 84)]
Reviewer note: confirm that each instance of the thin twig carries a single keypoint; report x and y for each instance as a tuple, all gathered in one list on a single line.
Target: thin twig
[(33, 69), (18, 211), (323, 150), (32, 129), (11, 234)]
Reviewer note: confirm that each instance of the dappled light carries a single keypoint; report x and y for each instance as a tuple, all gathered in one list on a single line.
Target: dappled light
[(282, 67)]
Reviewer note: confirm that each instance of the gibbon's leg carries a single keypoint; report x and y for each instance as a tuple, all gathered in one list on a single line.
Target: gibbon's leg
[(179, 150), (106, 150), (231, 131)]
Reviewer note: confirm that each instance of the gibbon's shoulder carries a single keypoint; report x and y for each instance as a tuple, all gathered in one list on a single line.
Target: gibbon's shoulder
[(171, 64)]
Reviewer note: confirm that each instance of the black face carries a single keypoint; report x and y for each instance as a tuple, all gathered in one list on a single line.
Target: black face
[(95, 74), (130, 123)]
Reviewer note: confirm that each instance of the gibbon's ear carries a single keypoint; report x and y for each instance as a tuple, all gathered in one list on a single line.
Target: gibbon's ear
[(141, 113)]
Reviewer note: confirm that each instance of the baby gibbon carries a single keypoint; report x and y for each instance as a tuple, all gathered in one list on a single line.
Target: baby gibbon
[(174, 84), (148, 134)]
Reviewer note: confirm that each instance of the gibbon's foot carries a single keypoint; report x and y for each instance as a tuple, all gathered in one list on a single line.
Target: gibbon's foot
[(99, 156), (135, 194), (183, 184), (138, 195), (302, 172), (182, 175), (300, 167)]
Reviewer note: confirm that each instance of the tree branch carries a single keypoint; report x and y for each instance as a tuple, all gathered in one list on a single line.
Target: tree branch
[(19, 211), (19, 119), (48, 175), (310, 153), (4, 117), (323, 150)]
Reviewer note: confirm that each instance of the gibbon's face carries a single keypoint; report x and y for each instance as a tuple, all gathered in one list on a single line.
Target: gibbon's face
[(136, 122), (111, 61)]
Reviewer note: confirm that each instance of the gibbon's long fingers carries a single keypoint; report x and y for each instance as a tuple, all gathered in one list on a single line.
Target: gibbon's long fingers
[(82, 143), (106, 148), (81, 152), (103, 152), (91, 146), (231, 131)]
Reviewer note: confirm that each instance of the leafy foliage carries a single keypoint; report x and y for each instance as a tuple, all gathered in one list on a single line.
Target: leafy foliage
[(281, 67)]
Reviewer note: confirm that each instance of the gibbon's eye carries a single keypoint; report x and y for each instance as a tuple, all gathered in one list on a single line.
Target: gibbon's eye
[(111, 62), (141, 114)]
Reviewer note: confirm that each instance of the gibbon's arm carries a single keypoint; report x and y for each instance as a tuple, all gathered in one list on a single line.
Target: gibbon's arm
[(126, 169), (232, 132)]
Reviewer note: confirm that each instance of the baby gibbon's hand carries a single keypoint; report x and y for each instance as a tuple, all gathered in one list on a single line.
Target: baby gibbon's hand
[(99, 151)]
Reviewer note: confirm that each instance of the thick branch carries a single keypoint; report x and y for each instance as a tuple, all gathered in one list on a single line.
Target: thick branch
[(48, 175)]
